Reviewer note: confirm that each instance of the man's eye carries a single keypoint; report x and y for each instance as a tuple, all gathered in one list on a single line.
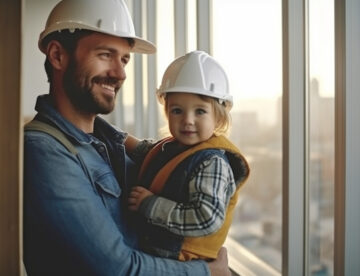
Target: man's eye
[(105, 55), (125, 61)]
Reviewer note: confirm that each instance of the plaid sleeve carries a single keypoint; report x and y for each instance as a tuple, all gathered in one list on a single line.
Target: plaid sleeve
[(210, 191)]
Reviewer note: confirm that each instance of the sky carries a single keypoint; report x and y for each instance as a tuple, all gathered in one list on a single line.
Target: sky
[(248, 42)]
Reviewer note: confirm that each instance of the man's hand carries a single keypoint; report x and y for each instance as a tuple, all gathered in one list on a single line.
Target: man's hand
[(136, 196), (219, 267)]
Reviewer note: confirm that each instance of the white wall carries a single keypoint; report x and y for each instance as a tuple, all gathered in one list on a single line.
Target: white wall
[(34, 81)]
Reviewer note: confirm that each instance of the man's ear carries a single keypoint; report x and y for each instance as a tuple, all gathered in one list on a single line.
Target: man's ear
[(57, 55)]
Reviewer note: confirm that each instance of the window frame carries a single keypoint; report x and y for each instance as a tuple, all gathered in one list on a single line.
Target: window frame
[(294, 138), (347, 136)]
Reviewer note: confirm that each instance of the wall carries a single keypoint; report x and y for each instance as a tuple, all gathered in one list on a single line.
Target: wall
[(33, 74), (10, 138)]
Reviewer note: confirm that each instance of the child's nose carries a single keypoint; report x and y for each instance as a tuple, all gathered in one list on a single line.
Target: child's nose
[(188, 118)]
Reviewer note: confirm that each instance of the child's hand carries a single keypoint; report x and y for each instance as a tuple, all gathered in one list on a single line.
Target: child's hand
[(136, 196)]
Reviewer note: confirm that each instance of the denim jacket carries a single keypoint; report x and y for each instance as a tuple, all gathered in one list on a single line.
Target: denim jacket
[(75, 220)]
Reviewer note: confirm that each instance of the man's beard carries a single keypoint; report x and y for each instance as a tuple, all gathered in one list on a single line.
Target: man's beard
[(78, 87)]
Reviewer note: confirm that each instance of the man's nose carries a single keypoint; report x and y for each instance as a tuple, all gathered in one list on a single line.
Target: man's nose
[(118, 70)]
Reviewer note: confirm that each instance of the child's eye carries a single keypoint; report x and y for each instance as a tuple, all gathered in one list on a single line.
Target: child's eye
[(200, 111), (175, 111)]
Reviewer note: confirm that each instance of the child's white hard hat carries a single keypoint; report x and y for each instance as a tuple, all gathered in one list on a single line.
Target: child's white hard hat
[(197, 73)]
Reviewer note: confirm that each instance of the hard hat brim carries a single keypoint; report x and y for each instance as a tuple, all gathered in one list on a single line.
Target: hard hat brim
[(141, 45), (161, 94)]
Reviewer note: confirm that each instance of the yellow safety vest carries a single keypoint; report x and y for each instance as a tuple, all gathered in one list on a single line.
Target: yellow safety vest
[(205, 247)]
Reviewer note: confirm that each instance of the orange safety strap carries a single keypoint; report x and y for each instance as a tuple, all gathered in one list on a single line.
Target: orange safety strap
[(152, 153), (164, 173)]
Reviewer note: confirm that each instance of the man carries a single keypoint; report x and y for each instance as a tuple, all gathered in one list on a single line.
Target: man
[(74, 195)]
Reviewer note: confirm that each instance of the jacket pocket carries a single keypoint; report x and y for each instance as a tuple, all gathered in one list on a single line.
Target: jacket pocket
[(110, 192), (107, 185)]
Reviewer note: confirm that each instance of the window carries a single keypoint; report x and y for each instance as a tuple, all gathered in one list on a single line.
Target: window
[(247, 42), (246, 37), (321, 137)]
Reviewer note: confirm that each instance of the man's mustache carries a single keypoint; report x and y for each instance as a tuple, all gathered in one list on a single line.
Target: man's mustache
[(108, 81)]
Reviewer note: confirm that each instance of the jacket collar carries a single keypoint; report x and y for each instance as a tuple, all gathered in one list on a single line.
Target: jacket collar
[(46, 109)]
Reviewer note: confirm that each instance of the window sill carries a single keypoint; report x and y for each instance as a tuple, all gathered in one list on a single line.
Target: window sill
[(243, 262)]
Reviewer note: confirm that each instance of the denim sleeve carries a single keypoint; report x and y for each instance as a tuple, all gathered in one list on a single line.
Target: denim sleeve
[(60, 201)]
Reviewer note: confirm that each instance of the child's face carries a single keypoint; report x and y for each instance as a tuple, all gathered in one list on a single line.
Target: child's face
[(191, 119)]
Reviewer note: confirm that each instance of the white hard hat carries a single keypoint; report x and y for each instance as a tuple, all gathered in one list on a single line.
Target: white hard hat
[(198, 73), (105, 16)]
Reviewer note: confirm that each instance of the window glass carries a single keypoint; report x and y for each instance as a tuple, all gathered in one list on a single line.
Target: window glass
[(321, 137), (191, 25), (247, 41), (165, 44)]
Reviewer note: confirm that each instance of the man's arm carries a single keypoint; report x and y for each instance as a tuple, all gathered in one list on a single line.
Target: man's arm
[(220, 265), (62, 203)]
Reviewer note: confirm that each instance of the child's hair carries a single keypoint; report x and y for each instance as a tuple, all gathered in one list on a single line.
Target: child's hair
[(222, 115)]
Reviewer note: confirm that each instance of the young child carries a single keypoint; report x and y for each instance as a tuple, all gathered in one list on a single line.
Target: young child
[(189, 183)]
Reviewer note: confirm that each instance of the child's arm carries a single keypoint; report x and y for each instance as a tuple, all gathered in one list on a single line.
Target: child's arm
[(136, 196), (130, 143), (136, 148), (210, 192)]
